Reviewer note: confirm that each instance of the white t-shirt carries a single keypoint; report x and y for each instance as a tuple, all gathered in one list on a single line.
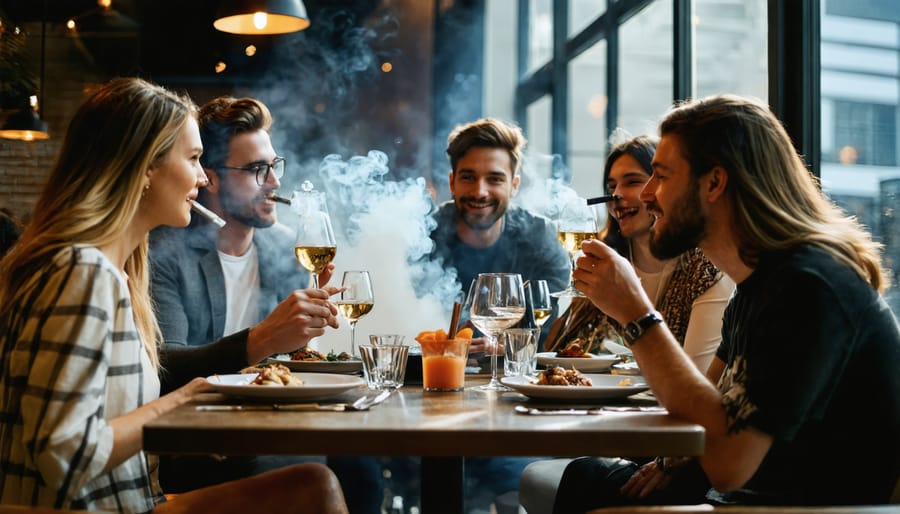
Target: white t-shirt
[(241, 290)]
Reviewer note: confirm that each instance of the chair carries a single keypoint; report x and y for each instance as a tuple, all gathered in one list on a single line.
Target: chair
[(538, 484)]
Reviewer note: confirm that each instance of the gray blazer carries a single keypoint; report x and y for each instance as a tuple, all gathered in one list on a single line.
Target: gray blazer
[(188, 290)]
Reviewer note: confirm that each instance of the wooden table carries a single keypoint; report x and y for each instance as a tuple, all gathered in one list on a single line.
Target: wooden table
[(442, 428)]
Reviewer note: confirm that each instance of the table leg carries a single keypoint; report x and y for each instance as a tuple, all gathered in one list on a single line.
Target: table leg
[(443, 485)]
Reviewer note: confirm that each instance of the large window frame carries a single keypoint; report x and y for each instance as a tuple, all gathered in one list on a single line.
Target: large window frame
[(794, 96)]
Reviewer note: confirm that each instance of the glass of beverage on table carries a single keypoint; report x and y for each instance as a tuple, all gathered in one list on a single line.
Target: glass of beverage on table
[(444, 360)]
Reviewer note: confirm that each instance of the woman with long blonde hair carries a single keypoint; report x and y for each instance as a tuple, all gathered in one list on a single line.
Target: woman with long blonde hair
[(78, 346)]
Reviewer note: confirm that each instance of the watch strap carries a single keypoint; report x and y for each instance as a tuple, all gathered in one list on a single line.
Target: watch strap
[(634, 330)]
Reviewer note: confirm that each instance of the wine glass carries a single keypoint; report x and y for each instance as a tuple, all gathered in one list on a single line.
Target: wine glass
[(540, 303), (315, 246), (498, 302), (357, 300), (576, 223)]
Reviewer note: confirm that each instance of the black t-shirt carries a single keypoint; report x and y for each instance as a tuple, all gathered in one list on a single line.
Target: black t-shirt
[(813, 359)]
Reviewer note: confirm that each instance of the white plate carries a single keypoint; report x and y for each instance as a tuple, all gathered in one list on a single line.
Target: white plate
[(605, 387), (348, 366), (600, 362), (316, 386)]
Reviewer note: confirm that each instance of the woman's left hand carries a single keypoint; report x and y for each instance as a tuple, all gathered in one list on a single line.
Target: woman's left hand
[(647, 479)]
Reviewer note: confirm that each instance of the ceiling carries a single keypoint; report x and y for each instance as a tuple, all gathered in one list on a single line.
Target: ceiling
[(175, 39)]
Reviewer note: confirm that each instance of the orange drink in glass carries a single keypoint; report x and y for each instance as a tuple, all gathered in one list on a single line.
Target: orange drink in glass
[(444, 363)]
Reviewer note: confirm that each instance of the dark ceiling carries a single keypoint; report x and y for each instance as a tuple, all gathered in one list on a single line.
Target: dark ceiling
[(175, 39)]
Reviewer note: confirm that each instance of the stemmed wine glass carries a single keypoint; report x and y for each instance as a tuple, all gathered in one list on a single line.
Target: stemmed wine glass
[(498, 302), (315, 246), (540, 303), (357, 300), (576, 223)]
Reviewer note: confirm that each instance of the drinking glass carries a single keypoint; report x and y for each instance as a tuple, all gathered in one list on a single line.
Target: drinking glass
[(498, 302), (541, 305), (576, 223), (315, 246), (357, 300)]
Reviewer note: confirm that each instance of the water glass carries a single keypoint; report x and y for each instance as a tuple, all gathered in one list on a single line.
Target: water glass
[(521, 351), (386, 339), (384, 366)]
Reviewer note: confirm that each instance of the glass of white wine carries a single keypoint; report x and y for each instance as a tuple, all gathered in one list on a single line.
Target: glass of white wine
[(540, 303), (498, 302), (575, 224), (315, 246), (357, 300)]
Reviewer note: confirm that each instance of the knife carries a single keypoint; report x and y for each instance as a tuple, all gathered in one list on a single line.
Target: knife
[(337, 407), (521, 409)]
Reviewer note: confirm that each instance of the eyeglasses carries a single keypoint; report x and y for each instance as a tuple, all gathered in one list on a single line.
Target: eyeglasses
[(261, 169)]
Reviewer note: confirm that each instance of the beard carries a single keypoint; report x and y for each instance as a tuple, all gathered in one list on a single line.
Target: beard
[(244, 210), (479, 221), (685, 228)]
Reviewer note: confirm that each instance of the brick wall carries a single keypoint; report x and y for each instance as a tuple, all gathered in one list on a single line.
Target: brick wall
[(68, 74)]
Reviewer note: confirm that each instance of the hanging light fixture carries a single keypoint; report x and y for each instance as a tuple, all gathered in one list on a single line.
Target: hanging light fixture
[(255, 17), (25, 124)]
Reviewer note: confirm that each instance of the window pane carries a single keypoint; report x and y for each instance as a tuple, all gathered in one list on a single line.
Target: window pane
[(540, 32), (587, 120), (537, 126), (583, 12), (860, 82), (645, 76), (730, 48)]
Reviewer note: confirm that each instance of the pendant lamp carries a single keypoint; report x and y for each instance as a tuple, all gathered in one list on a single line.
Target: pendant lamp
[(261, 17), (25, 124)]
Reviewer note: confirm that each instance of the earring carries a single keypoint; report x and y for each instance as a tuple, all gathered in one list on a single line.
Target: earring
[(145, 190)]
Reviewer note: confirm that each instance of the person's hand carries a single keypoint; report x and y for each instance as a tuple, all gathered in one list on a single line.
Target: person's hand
[(196, 386), (301, 316), (478, 345), (326, 274), (647, 479), (610, 282)]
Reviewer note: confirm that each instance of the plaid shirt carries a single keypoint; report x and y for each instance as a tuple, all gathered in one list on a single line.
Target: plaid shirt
[(71, 360)]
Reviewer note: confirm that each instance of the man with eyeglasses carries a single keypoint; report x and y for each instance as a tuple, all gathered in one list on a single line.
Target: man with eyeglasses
[(232, 296)]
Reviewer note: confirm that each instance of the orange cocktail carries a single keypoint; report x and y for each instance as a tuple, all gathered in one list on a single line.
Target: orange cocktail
[(443, 373), (444, 360)]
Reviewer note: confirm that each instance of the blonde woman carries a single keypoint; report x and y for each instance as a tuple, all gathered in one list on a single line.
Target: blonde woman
[(79, 342)]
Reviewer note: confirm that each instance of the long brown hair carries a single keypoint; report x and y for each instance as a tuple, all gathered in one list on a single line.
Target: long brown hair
[(777, 201), (92, 194), (641, 149)]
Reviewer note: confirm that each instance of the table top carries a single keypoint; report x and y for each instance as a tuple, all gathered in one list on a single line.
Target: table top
[(413, 422)]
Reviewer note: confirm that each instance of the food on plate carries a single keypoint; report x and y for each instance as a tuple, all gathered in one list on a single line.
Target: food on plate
[(275, 375), (308, 354), (574, 349), (559, 376), (625, 382)]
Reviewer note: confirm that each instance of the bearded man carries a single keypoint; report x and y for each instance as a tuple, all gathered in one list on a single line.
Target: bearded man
[(478, 231)]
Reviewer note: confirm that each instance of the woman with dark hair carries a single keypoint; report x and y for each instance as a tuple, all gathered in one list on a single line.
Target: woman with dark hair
[(688, 290)]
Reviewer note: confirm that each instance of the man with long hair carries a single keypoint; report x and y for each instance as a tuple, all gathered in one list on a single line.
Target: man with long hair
[(806, 335)]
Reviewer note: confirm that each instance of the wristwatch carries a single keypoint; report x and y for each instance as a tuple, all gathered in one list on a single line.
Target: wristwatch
[(632, 331)]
